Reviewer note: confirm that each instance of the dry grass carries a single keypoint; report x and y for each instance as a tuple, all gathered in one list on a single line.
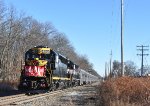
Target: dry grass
[(125, 91)]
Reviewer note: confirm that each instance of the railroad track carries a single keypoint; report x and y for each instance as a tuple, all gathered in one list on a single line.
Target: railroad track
[(22, 98), (9, 97)]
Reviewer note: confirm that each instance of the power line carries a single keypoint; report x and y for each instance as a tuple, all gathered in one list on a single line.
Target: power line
[(142, 49)]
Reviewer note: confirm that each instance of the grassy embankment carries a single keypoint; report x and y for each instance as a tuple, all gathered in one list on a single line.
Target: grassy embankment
[(125, 91)]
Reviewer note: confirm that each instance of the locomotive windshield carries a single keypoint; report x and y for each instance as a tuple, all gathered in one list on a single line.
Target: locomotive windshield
[(31, 56)]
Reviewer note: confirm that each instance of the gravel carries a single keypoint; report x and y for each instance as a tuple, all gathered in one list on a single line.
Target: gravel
[(77, 96)]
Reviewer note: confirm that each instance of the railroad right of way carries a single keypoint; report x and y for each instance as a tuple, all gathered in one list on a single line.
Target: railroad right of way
[(79, 96)]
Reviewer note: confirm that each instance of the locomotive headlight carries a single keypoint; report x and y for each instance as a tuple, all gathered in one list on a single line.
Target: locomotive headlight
[(36, 58)]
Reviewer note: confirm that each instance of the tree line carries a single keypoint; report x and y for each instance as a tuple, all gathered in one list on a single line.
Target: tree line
[(130, 69), (19, 32)]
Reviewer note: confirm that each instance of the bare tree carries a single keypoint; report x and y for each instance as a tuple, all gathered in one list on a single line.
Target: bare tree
[(130, 68), (116, 68)]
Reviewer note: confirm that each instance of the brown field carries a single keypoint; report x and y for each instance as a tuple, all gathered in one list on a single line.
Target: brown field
[(125, 91)]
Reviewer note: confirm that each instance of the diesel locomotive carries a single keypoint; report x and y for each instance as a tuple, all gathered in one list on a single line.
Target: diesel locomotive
[(46, 69)]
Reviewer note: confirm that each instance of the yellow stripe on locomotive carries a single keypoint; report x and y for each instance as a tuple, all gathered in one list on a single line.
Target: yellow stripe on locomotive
[(60, 78), (36, 62)]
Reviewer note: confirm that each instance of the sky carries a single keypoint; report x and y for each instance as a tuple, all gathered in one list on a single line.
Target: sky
[(93, 26)]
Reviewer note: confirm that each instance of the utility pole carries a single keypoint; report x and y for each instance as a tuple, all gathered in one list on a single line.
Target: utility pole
[(122, 65), (105, 70), (142, 54), (110, 64), (108, 71)]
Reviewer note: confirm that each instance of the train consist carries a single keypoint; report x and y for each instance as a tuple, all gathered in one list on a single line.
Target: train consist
[(46, 69)]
